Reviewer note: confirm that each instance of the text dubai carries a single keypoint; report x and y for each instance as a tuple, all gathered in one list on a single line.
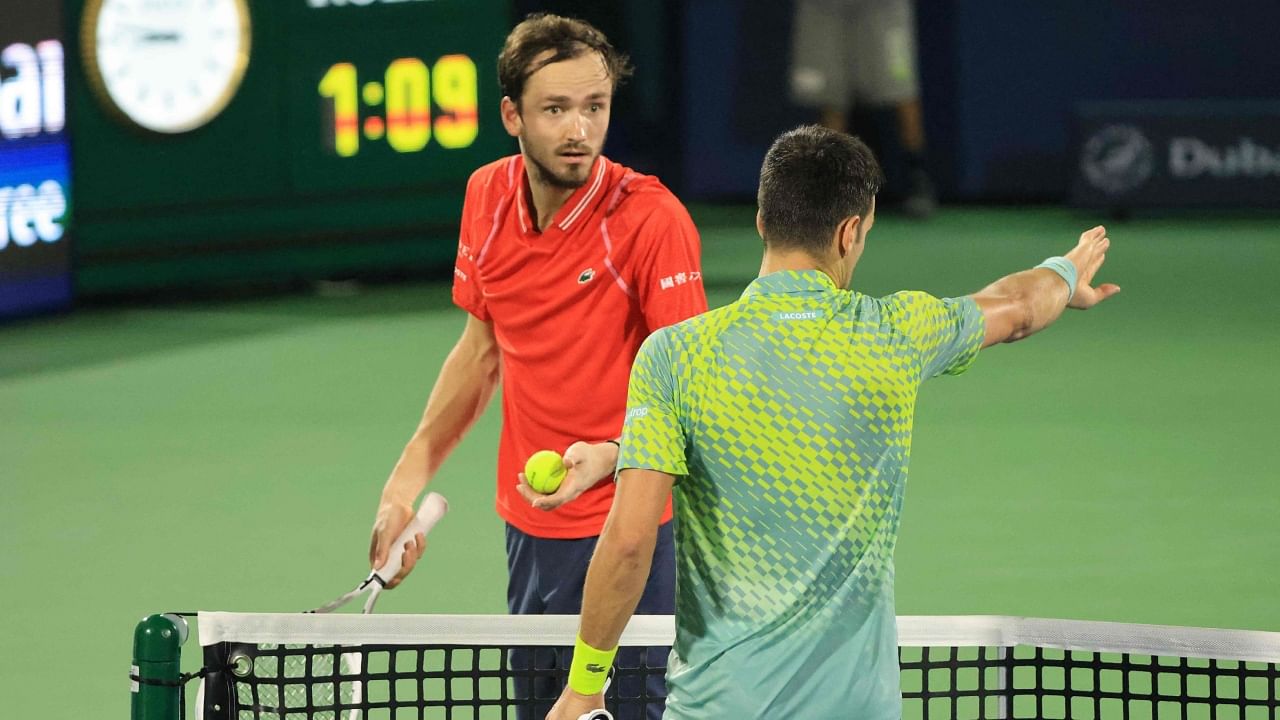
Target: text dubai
[(32, 103)]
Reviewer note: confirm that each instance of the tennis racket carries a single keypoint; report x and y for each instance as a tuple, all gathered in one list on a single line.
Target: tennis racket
[(433, 507), (347, 692)]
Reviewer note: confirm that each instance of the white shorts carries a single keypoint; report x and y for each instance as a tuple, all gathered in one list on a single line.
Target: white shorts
[(853, 51)]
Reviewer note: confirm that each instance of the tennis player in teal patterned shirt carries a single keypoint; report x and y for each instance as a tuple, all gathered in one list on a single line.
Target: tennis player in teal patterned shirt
[(783, 423)]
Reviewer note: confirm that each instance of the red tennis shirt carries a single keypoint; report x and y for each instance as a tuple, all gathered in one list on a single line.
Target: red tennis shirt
[(570, 306)]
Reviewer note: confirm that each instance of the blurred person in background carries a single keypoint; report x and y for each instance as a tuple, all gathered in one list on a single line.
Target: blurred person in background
[(848, 53)]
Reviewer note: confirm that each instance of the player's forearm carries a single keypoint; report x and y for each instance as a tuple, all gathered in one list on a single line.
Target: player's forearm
[(615, 582), (1022, 304), (624, 555), (463, 389), (1025, 303)]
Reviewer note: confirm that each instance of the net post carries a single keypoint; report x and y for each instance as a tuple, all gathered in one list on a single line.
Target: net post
[(156, 675)]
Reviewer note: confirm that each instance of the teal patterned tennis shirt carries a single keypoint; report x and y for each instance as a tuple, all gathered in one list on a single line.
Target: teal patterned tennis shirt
[(786, 418)]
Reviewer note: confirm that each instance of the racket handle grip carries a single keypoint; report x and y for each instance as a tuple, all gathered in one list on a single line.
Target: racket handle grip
[(433, 507), (596, 715)]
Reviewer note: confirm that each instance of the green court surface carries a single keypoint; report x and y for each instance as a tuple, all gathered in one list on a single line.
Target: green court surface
[(228, 455)]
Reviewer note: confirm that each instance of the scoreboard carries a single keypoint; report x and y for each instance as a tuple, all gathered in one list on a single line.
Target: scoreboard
[(34, 168), (405, 104), (222, 140)]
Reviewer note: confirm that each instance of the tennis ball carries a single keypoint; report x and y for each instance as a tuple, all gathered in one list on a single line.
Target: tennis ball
[(544, 471)]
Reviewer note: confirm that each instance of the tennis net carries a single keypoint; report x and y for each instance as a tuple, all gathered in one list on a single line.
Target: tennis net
[(358, 667)]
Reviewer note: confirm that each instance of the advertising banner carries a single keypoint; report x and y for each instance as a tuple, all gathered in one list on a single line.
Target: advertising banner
[(1178, 154), (35, 205)]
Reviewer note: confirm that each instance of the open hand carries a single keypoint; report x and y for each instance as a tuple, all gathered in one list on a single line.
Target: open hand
[(1088, 257), (585, 465)]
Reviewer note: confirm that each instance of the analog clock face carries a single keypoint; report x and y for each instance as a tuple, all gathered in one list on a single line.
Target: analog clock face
[(168, 65)]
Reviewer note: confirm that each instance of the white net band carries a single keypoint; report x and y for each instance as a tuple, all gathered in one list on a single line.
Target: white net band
[(650, 630)]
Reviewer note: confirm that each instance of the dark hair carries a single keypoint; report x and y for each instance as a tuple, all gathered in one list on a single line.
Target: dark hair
[(567, 37), (812, 180)]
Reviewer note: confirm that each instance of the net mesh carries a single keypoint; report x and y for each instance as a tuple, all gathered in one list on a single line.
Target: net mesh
[(329, 682), (951, 668), (1055, 684)]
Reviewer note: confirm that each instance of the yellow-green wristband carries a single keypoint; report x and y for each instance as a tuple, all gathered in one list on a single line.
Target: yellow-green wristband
[(590, 668)]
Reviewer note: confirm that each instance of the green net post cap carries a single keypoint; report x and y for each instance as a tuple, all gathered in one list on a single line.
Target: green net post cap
[(159, 638), (156, 676)]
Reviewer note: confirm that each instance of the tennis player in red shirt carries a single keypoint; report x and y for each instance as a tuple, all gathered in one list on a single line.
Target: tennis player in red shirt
[(566, 262)]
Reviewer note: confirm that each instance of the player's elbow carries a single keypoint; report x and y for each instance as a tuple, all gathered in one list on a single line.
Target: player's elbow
[(628, 546), (628, 559), (1022, 317), (477, 350), (489, 363), (1009, 316)]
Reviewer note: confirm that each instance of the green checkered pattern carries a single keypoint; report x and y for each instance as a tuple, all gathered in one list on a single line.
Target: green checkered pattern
[(786, 417)]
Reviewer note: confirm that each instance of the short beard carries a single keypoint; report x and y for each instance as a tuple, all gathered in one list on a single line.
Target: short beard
[(544, 176)]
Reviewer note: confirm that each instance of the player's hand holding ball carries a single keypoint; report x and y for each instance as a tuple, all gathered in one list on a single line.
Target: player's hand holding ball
[(549, 481), (544, 471)]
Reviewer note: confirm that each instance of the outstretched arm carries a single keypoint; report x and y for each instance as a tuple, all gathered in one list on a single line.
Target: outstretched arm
[(1024, 303)]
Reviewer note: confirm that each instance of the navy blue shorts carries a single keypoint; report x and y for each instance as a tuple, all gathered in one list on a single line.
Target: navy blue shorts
[(545, 577)]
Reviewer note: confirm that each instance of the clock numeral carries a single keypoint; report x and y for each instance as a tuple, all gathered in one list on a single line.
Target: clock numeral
[(407, 95), (408, 105), (339, 85), (456, 94)]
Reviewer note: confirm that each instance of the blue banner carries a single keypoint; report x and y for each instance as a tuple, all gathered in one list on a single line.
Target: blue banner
[(35, 167)]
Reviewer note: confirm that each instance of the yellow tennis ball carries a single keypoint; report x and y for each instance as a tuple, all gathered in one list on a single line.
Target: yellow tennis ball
[(544, 471)]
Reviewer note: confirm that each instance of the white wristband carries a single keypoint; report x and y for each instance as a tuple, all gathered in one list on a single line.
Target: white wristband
[(1065, 270)]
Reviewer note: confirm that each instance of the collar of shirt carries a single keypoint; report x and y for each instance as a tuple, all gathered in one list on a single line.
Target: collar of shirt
[(791, 282), (573, 209)]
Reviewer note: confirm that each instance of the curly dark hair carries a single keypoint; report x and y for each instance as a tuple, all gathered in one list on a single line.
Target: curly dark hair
[(567, 37)]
